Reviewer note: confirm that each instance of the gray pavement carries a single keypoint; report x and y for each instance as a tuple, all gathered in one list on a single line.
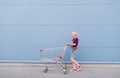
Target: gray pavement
[(30, 70)]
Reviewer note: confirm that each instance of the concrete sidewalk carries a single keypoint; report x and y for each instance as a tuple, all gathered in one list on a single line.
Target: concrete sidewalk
[(31, 70)]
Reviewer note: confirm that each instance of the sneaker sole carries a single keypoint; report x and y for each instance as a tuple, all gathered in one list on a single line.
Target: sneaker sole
[(73, 70)]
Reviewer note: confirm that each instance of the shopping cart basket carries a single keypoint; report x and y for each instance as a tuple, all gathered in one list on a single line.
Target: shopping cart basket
[(53, 55)]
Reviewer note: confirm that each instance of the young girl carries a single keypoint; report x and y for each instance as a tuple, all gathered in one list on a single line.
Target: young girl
[(74, 44)]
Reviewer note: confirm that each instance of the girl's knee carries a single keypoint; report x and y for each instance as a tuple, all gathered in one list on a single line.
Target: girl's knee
[(71, 58)]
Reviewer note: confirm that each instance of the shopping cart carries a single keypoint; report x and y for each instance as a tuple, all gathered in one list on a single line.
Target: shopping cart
[(53, 55)]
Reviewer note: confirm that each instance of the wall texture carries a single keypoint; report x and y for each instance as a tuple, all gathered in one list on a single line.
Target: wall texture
[(28, 25)]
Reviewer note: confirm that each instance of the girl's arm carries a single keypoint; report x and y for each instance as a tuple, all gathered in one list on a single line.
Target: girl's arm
[(70, 44)]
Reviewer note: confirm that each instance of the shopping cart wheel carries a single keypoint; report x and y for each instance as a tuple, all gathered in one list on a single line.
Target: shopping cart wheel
[(45, 70), (66, 72)]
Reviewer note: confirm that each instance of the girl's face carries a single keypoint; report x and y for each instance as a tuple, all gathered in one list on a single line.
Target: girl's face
[(73, 35)]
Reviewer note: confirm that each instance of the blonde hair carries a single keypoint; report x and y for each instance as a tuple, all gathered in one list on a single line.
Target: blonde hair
[(74, 33)]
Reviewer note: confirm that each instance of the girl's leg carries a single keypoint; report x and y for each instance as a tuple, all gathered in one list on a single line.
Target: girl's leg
[(73, 64), (74, 61)]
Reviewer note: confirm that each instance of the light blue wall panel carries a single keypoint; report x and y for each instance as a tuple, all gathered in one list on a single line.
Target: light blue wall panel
[(28, 25)]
